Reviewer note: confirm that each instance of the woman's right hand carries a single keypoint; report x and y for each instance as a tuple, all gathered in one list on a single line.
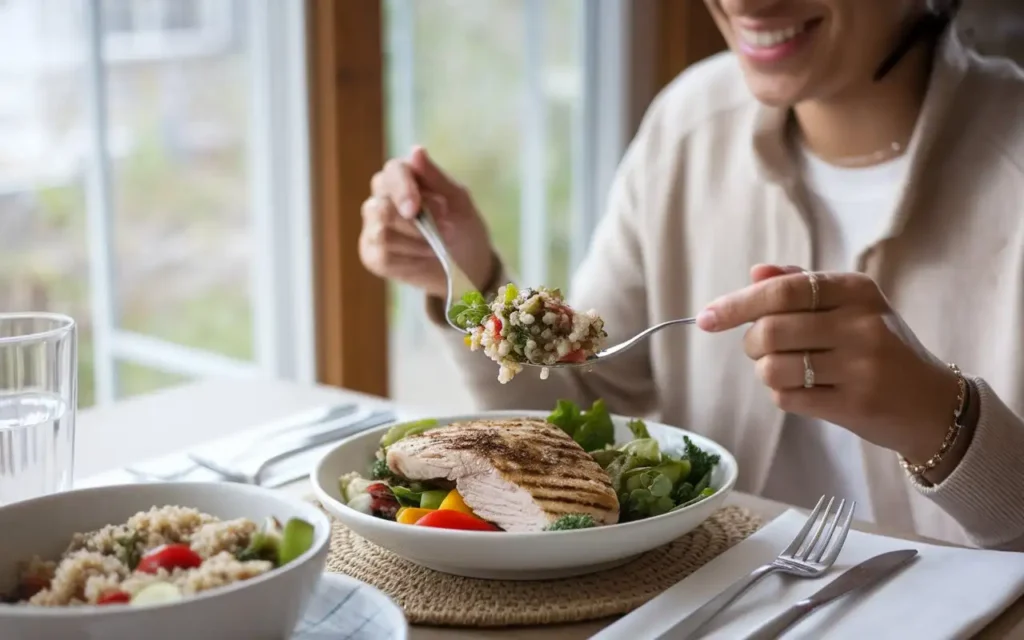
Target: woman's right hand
[(390, 246)]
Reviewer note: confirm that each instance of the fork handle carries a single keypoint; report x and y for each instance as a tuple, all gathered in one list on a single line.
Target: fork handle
[(691, 624)]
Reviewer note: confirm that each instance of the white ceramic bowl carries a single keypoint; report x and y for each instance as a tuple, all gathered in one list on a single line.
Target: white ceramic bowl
[(519, 556), (266, 607)]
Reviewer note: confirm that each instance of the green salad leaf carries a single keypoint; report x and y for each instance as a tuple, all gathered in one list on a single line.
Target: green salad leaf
[(647, 480), (593, 429), (470, 311), (406, 429), (638, 428), (406, 496)]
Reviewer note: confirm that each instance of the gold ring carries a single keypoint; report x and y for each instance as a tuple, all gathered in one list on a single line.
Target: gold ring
[(808, 371), (812, 278)]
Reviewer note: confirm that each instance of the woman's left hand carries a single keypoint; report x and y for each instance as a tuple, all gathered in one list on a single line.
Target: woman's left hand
[(871, 374)]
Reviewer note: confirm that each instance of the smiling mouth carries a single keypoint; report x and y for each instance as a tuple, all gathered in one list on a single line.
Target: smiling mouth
[(766, 39)]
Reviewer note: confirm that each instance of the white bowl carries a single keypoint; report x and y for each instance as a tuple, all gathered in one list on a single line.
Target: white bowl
[(266, 607), (519, 556)]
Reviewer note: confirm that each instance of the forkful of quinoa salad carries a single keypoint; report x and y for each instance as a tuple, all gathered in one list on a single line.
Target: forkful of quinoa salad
[(532, 327)]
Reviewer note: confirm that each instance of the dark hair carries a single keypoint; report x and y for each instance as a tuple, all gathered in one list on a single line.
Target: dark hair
[(927, 28)]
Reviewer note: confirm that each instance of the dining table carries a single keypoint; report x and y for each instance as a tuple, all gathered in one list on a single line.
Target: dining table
[(142, 427)]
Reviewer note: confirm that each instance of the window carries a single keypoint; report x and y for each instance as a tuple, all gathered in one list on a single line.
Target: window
[(523, 101), (148, 188)]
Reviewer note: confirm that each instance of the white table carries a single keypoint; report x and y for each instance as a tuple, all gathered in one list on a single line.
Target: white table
[(183, 417)]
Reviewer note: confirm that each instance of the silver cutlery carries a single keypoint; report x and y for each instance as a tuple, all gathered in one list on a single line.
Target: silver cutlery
[(170, 469), (459, 284), (248, 469), (865, 574), (808, 556)]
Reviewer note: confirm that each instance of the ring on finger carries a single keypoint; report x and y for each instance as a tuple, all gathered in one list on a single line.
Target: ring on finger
[(812, 279), (808, 371)]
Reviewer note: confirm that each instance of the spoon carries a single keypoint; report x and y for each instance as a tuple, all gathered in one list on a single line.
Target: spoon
[(459, 284)]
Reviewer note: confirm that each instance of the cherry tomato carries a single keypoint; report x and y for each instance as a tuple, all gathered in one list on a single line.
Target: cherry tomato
[(455, 520), (169, 557), (578, 355), (496, 326), (114, 596), (383, 503)]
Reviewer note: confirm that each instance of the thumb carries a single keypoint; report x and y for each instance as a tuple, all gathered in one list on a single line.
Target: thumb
[(430, 174), (761, 272)]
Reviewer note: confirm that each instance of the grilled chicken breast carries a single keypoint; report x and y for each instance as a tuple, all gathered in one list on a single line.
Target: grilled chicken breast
[(521, 474)]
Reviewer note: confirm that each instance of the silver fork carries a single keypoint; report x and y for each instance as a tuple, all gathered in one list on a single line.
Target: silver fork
[(460, 284), (808, 556)]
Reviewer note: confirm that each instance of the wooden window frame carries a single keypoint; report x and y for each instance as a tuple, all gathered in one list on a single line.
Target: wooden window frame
[(347, 141), (347, 119)]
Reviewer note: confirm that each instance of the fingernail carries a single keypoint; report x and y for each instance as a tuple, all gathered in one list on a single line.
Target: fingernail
[(707, 319), (407, 208)]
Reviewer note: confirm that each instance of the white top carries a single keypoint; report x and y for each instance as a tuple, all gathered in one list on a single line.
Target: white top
[(849, 209)]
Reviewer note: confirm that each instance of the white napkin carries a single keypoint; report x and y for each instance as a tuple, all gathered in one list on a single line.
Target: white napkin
[(943, 593)]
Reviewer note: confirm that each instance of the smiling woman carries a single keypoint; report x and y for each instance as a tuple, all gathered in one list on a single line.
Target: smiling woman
[(842, 183)]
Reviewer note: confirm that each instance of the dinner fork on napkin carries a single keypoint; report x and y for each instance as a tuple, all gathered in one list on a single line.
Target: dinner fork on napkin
[(809, 555), (948, 592)]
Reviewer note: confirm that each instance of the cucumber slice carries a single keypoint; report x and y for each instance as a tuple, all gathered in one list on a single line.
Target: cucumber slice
[(296, 539), (157, 593)]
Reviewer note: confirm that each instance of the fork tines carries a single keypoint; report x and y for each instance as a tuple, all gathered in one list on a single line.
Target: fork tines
[(818, 549)]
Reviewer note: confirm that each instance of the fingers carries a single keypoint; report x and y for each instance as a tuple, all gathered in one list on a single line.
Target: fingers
[(793, 332), (761, 272), (786, 294), (379, 211), (397, 183), (785, 371), (431, 176)]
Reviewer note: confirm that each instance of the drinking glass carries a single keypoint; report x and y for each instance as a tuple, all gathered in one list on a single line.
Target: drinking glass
[(38, 398)]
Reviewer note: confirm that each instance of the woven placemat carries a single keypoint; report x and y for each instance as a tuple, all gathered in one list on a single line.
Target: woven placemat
[(434, 598)]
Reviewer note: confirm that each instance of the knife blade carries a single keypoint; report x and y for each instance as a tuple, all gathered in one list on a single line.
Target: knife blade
[(865, 574)]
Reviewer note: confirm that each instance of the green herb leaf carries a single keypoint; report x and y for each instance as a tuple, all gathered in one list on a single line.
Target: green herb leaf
[(471, 311), (572, 521)]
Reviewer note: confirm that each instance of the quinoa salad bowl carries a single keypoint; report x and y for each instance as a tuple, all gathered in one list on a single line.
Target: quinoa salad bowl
[(171, 560)]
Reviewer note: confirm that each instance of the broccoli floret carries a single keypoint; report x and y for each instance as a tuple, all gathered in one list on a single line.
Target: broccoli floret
[(381, 471), (572, 521)]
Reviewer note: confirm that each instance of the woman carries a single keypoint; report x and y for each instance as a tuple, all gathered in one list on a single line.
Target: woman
[(855, 139)]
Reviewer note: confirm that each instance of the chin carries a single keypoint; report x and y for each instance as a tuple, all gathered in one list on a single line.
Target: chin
[(775, 92)]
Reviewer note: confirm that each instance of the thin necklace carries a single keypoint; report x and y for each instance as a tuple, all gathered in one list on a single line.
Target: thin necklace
[(878, 157)]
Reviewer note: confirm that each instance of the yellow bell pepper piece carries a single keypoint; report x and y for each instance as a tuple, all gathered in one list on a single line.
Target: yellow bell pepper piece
[(454, 502), (409, 515)]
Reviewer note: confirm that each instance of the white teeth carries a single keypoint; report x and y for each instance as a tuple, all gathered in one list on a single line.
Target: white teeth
[(765, 39)]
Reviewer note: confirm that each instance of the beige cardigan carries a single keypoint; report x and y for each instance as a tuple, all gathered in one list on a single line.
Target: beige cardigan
[(708, 188)]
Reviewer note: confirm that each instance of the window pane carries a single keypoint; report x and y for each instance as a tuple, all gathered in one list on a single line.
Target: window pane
[(44, 263), (468, 97), (136, 379), (179, 138)]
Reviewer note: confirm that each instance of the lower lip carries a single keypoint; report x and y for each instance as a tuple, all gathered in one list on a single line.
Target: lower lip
[(778, 52)]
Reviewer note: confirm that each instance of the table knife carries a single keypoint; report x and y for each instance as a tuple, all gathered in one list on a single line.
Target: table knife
[(863, 575)]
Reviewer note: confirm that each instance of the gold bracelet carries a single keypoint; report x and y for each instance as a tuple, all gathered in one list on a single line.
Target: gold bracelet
[(951, 434)]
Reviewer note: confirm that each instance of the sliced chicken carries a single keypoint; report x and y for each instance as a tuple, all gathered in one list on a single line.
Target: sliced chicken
[(520, 474)]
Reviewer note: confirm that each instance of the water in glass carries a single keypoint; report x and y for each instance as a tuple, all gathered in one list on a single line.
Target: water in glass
[(38, 394)]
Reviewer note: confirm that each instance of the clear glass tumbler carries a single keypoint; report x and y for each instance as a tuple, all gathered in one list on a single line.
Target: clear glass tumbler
[(38, 399)]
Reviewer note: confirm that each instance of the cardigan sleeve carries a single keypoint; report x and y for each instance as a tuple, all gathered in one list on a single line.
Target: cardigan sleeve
[(985, 492)]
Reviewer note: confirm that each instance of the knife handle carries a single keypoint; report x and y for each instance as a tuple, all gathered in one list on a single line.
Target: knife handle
[(778, 625), (691, 624)]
